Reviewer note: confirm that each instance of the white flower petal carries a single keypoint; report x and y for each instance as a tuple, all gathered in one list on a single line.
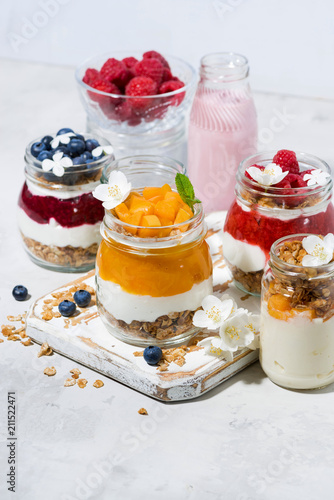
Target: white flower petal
[(200, 319), (66, 162), (108, 150), (210, 301), (329, 241), (110, 204), (58, 156), (58, 170), (101, 192), (55, 142), (47, 165), (317, 247), (255, 173), (310, 261), (117, 177), (97, 151)]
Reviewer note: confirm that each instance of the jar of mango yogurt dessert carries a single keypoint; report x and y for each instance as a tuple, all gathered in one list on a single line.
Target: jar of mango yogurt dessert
[(153, 266)]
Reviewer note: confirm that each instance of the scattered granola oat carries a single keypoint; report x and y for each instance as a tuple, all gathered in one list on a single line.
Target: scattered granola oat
[(27, 341), (1, 340), (69, 382), (50, 371), (14, 318), (75, 375), (47, 315), (45, 350), (13, 337), (142, 411), (7, 330), (82, 382), (76, 371), (98, 384)]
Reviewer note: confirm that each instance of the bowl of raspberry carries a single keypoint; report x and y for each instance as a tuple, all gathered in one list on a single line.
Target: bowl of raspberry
[(277, 194), (137, 100)]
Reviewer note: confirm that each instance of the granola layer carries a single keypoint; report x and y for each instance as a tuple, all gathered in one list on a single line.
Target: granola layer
[(250, 281), (67, 256)]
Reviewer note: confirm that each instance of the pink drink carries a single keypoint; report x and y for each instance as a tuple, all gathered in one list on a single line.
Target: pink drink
[(222, 129)]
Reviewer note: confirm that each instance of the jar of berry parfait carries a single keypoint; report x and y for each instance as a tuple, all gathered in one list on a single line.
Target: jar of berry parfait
[(277, 194), (153, 266), (58, 217)]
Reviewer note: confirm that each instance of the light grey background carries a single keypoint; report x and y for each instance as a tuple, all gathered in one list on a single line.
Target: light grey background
[(289, 43)]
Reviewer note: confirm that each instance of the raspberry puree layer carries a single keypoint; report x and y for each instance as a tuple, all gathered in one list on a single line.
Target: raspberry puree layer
[(71, 212), (258, 229)]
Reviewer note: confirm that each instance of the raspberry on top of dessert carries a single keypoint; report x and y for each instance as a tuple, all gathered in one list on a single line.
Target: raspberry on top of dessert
[(153, 265), (277, 194), (297, 309)]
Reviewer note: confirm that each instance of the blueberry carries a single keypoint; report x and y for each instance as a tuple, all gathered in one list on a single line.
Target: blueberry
[(45, 155), (78, 160), (64, 131), (152, 354), (76, 146), (86, 155), (20, 292), (79, 136), (91, 144), (67, 308), (37, 148), (47, 141), (60, 149), (82, 298)]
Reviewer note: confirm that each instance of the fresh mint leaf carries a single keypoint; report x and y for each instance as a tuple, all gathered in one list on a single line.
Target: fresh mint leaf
[(186, 190)]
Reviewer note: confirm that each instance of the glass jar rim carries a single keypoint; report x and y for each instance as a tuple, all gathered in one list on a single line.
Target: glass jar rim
[(87, 63), (266, 157), (114, 229), (293, 270), (224, 66), (36, 165)]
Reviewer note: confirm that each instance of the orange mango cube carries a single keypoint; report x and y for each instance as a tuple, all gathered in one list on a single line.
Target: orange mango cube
[(150, 192), (149, 221), (135, 220), (141, 205), (165, 210), (182, 216), (165, 189), (122, 212)]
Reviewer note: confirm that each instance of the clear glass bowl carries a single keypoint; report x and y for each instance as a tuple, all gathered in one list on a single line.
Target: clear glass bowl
[(159, 126)]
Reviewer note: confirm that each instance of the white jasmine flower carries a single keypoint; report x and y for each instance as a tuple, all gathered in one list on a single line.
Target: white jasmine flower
[(316, 177), (238, 330), (108, 150), (320, 251), (61, 139), (57, 164), (272, 174), (115, 192), (215, 312)]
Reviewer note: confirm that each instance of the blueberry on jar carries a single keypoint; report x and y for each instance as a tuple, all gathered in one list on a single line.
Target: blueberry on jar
[(91, 144), (65, 131), (37, 148), (76, 147), (47, 139)]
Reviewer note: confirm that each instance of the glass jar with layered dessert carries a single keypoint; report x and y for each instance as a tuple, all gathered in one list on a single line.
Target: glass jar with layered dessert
[(153, 267), (277, 194), (58, 217), (297, 312)]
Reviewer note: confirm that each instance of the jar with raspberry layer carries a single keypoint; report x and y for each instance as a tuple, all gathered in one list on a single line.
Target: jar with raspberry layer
[(58, 217), (153, 266), (277, 194), (297, 312)]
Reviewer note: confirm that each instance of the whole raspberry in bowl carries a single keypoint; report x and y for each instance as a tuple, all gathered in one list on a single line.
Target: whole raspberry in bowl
[(137, 99)]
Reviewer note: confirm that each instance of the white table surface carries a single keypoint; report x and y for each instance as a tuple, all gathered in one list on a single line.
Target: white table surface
[(246, 440)]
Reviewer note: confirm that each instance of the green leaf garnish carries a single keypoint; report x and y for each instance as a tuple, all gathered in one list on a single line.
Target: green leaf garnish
[(186, 190)]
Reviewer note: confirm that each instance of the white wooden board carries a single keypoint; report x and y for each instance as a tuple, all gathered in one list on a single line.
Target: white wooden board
[(85, 339)]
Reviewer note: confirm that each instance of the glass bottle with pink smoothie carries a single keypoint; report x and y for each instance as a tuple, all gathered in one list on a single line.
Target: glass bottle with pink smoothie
[(222, 129)]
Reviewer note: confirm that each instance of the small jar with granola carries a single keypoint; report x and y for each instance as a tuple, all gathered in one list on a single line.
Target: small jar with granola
[(153, 266), (277, 194), (297, 312), (58, 217)]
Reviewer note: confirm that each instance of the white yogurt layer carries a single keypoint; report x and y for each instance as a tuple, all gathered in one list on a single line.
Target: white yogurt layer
[(55, 234), (298, 353), (63, 194), (129, 307), (248, 258)]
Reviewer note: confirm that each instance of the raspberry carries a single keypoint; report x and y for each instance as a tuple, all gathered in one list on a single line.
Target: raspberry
[(141, 86), (129, 62), (171, 86), (116, 72), (90, 76), (103, 100), (152, 68), (167, 75), (287, 160), (155, 55), (123, 111)]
